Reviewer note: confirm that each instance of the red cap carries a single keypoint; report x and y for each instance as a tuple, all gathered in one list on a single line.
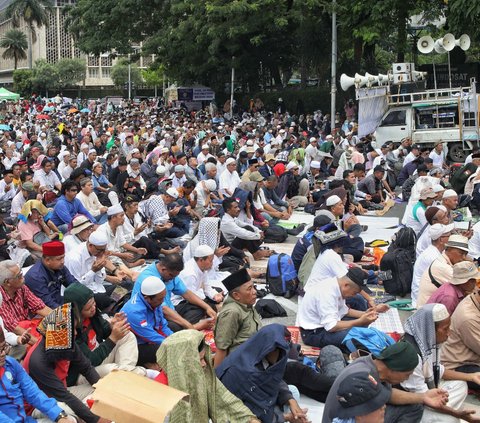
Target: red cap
[(53, 249)]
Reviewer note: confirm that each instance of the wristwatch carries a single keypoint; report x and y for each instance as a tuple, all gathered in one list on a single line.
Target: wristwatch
[(62, 415)]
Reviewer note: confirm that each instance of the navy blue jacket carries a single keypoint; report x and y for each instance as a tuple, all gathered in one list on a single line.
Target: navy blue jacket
[(47, 284)]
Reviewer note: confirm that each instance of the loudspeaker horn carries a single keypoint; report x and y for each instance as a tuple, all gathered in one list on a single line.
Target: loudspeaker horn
[(438, 46), (382, 78), (448, 42), (419, 76), (425, 44), (346, 82), (360, 80), (371, 79), (463, 42)]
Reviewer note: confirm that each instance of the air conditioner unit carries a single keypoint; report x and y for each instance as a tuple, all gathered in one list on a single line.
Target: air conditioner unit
[(401, 78), (403, 67)]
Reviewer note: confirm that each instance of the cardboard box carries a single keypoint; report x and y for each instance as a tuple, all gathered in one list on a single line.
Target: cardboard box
[(125, 397)]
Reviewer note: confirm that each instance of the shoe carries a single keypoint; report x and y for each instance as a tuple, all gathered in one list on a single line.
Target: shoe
[(364, 228)]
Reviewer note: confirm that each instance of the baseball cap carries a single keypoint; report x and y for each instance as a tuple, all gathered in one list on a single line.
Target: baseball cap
[(357, 275), (360, 394), (437, 230), (399, 357)]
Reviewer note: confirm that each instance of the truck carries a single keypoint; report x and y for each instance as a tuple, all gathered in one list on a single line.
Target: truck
[(450, 115)]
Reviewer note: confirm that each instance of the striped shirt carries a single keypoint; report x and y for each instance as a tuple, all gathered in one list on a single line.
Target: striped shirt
[(22, 306)]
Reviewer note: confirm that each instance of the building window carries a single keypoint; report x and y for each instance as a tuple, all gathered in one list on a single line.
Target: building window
[(93, 72), (105, 72), (106, 61), (93, 60)]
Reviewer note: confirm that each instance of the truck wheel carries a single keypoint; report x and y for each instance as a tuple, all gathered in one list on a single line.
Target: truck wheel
[(457, 153)]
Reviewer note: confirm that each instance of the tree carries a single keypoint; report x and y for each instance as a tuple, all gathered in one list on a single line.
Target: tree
[(45, 76), (153, 77), (70, 72), (15, 44), (34, 13), (119, 73), (23, 81)]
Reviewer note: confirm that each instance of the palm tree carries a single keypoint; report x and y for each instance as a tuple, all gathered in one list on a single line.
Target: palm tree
[(15, 44), (34, 13)]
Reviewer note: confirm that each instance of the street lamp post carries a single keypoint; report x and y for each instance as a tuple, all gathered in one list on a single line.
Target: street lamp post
[(232, 89), (333, 83), (129, 78)]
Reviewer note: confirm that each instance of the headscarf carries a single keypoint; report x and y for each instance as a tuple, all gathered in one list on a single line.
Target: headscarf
[(38, 164), (57, 330), (243, 373), (29, 206), (209, 399), (208, 234), (421, 326)]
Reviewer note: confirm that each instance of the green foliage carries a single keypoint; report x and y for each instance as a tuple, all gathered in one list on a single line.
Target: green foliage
[(70, 72), (153, 77), (45, 76), (119, 73), (22, 81), (33, 12), (15, 44)]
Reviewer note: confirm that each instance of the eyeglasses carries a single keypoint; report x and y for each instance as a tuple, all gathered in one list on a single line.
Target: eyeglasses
[(19, 275)]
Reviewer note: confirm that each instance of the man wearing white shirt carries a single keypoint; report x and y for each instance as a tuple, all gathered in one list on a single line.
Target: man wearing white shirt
[(239, 234), (195, 275), (229, 179), (439, 234), (410, 157), (438, 155), (323, 315), (7, 189)]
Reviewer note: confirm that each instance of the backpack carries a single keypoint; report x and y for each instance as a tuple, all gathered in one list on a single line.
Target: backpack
[(399, 259), (275, 234), (367, 339), (460, 177), (281, 275), (268, 308)]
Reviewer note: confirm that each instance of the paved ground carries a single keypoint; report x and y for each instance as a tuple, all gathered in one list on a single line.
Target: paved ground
[(291, 305)]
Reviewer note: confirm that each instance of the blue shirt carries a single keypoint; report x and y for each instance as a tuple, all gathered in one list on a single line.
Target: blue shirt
[(174, 286), (99, 181), (16, 386), (64, 211), (148, 325), (47, 284)]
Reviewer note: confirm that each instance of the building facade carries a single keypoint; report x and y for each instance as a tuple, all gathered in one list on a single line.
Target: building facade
[(53, 43)]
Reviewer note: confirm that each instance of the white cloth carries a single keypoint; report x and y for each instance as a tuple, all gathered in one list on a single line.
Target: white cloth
[(10, 337), (49, 180), (410, 157), (423, 242), (424, 370), (437, 158), (196, 281), (322, 306), (474, 242), (17, 204), (129, 229), (422, 263), (7, 195), (329, 264), (229, 181), (457, 393), (79, 262), (234, 228), (115, 241), (71, 242), (91, 203)]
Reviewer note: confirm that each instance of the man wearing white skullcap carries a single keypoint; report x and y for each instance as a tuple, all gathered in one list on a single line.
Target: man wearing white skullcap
[(427, 329), (450, 202), (200, 277), (229, 179), (88, 263), (145, 316), (121, 251), (438, 235), (178, 177)]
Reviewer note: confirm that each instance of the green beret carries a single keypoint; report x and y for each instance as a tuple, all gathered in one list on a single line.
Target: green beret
[(399, 357)]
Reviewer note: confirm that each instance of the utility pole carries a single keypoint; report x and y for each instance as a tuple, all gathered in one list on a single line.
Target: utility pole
[(232, 89), (333, 82)]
